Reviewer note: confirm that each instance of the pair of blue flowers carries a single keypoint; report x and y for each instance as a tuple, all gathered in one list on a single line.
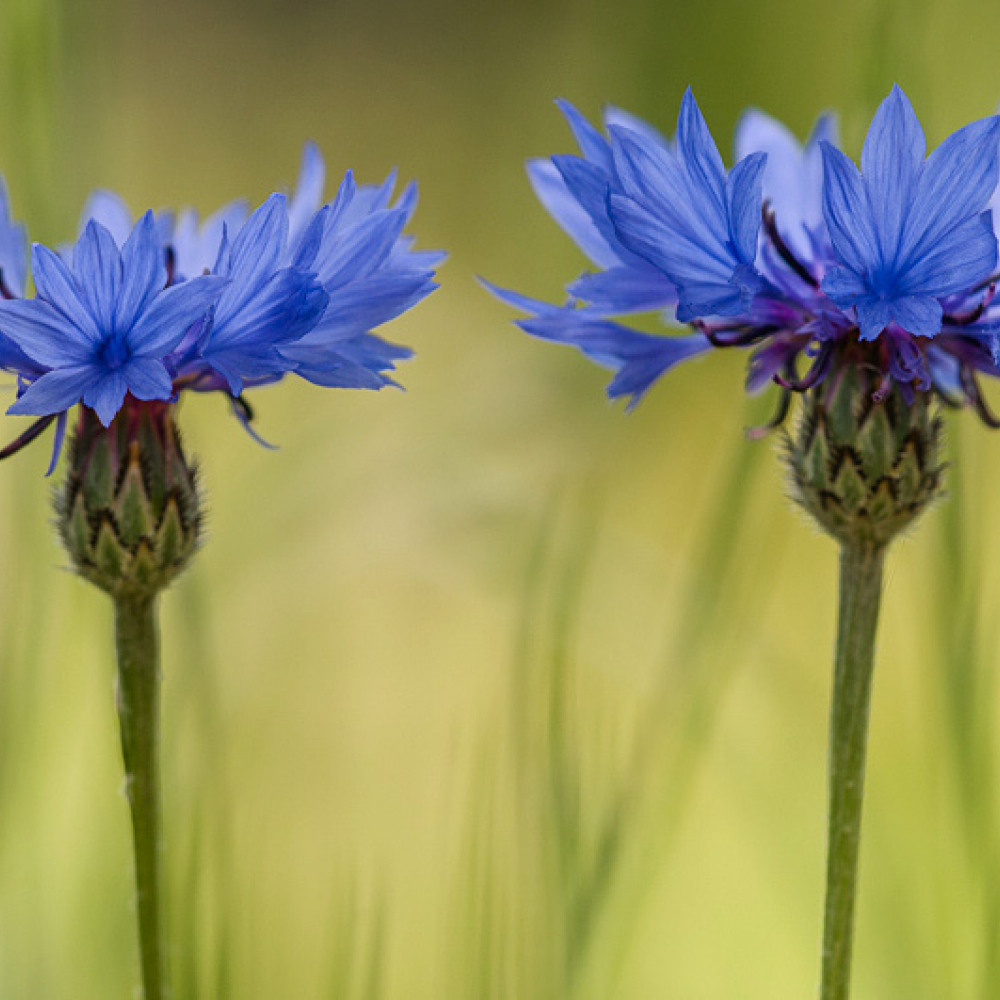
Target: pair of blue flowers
[(795, 252)]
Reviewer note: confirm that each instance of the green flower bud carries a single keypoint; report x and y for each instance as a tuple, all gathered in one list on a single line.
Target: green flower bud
[(129, 512), (865, 463)]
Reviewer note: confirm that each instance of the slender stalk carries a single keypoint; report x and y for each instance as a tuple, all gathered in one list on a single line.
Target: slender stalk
[(860, 591), (138, 713)]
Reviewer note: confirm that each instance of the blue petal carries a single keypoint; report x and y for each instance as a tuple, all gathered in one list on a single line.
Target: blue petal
[(13, 248), (361, 250), (890, 164), (13, 359), (143, 272), (110, 210), (308, 196), (342, 374), (651, 177), (638, 359), (699, 152), (793, 177), (281, 309), (43, 333), (846, 211), (957, 182), (681, 214), (825, 130), (54, 391), (340, 207), (874, 315), (163, 325), (57, 444), (196, 247), (105, 397), (592, 144), (619, 116), (625, 290), (743, 190), (844, 286), (56, 285), (672, 251), (958, 261), (407, 201), (920, 315), (311, 240), (517, 300), (370, 302), (97, 265), (258, 248), (147, 378), (553, 192), (589, 186)]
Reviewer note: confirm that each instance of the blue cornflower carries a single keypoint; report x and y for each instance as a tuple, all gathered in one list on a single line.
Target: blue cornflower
[(104, 325), (262, 307), (909, 233), (239, 300), (794, 252), (370, 273)]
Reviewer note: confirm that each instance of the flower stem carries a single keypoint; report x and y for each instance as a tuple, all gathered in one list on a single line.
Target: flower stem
[(138, 714), (860, 590)]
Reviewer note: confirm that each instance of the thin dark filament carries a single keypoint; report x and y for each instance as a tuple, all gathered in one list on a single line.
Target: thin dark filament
[(170, 263), (946, 399), (745, 335), (966, 319), (784, 251), (815, 374), (244, 408), (780, 413), (27, 437), (975, 395)]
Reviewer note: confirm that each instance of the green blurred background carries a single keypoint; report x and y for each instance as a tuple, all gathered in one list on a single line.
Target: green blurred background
[(486, 689)]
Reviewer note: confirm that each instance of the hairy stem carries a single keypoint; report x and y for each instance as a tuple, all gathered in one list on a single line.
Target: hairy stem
[(138, 713), (860, 591)]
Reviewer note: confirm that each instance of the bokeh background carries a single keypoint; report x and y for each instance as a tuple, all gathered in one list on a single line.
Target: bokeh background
[(487, 689)]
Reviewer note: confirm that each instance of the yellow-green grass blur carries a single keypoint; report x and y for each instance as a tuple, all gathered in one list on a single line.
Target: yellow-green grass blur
[(487, 689)]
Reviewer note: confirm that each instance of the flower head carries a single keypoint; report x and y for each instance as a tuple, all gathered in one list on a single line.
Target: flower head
[(908, 233), (794, 252), (105, 325), (146, 311)]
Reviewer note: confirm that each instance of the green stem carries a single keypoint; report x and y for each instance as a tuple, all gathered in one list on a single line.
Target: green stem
[(138, 713), (860, 590)]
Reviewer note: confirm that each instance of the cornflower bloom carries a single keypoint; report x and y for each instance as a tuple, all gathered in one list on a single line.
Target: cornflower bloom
[(149, 310), (868, 292), (794, 253), (136, 314)]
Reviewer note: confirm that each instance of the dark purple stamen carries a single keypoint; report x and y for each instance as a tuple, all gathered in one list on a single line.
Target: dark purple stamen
[(743, 334), (246, 412), (947, 399), (27, 437), (816, 373), (965, 319), (780, 413), (784, 251), (975, 396)]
